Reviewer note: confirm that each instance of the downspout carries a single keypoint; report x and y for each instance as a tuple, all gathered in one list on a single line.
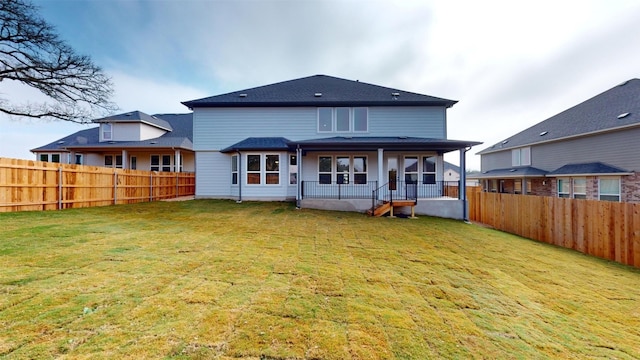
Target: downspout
[(239, 177)]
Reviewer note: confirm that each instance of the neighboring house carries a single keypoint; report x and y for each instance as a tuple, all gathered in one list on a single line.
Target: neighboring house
[(327, 143), (132, 140), (590, 151)]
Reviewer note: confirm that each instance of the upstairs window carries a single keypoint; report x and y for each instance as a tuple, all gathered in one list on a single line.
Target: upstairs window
[(521, 157), (343, 120), (107, 130)]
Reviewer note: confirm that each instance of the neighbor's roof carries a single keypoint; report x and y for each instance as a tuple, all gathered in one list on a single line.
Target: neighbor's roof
[(513, 172), (319, 90), (136, 116), (388, 143), (180, 137), (258, 144), (615, 108), (586, 169)]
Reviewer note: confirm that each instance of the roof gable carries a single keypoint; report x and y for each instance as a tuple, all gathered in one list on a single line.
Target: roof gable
[(319, 90), (616, 108), (136, 116), (180, 137)]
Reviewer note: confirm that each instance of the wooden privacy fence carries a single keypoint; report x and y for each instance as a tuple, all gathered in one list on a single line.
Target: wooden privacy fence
[(605, 229), (34, 185)]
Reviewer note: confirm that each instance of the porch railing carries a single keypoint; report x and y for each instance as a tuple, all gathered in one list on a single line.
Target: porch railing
[(334, 190), (412, 190)]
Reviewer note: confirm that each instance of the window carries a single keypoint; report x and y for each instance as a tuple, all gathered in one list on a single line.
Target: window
[(609, 189), (342, 170), (155, 162), (55, 158), (263, 169), (44, 157), (517, 186), (324, 169), (272, 168), (234, 169), (108, 160), (293, 169), (429, 170), (521, 157), (360, 169), (325, 119), (528, 182), (360, 120), (579, 188), (107, 130), (253, 169), (133, 162), (79, 159), (564, 188), (343, 119), (411, 169), (166, 162)]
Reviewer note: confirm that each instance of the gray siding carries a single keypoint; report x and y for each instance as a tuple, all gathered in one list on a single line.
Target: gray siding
[(213, 174), (619, 149), (215, 129)]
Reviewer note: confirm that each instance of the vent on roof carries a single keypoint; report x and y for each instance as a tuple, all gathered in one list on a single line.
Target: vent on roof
[(544, 133), (128, 114), (395, 94), (402, 137), (153, 142), (243, 95), (512, 170), (60, 142), (504, 142), (317, 94), (623, 115), (112, 142)]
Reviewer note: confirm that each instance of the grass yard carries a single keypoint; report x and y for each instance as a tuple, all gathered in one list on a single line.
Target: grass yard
[(216, 279)]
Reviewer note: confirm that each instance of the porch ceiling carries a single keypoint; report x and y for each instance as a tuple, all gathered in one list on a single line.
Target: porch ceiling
[(399, 143)]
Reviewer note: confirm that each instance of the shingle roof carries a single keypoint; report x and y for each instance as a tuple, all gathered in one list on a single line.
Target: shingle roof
[(259, 143), (513, 172), (319, 90), (180, 137), (388, 143), (603, 112), (136, 116), (593, 168)]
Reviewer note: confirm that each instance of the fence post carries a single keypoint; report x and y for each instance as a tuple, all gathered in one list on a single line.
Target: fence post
[(177, 185), (151, 187), (115, 187), (60, 188)]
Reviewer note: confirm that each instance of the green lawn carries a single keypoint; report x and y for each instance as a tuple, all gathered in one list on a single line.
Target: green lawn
[(216, 279)]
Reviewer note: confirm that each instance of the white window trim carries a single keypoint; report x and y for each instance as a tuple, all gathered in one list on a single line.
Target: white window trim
[(104, 132), (573, 187), (422, 171), (619, 194), (334, 171), (521, 156), (559, 188), (293, 169), (263, 170), (404, 169), (334, 120), (234, 161)]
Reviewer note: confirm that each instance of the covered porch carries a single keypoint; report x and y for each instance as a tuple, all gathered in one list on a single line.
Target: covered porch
[(370, 173)]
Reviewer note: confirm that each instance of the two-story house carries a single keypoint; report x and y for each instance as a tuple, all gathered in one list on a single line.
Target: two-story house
[(327, 143), (589, 151), (131, 140)]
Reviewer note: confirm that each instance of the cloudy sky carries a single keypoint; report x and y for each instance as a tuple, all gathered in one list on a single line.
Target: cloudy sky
[(510, 64)]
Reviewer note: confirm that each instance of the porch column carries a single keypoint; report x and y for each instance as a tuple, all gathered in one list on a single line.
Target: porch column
[(524, 186), (177, 159), (380, 170), (125, 163), (463, 183)]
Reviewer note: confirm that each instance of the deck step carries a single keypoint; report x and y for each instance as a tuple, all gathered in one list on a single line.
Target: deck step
[(386, 206)]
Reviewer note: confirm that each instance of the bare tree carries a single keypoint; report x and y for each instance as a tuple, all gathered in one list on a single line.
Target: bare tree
[(32, 53)]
